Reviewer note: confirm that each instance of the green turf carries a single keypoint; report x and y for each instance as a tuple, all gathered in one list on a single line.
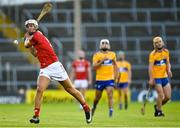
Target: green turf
[(69, 115)]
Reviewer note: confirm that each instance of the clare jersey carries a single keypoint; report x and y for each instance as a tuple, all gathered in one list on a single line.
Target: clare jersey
[(81, 69), (159, 60), (123, 68), (45, 52), (106, 70)]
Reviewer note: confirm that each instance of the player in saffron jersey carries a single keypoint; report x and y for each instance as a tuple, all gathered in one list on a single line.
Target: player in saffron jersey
[(159, 74), (104, 63), (81, 73), (124, 80), (50, 69)]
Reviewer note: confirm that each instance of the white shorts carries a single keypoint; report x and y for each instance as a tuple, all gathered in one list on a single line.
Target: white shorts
[(81, 84), (54, 71)]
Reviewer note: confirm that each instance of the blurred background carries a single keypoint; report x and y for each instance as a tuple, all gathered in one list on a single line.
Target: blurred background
[(130, 26)]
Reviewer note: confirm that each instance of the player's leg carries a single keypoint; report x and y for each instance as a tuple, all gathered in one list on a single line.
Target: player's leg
[(109, 91), (83, 87), (158, 107), (77, 84), (82, 91), (167, 93), (120, 98), (125, 90), (42, 84), (68, 86), (98, 95)]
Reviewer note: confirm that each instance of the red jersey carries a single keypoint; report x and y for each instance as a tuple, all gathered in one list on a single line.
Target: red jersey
[(45, 51), (81, 69)]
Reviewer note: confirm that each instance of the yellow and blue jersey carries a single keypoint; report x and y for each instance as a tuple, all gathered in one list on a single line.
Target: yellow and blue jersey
[(123, 67), (159, 60), (106, 69)]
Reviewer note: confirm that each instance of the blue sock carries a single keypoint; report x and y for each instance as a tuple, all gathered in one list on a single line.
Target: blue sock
[(111, 112)]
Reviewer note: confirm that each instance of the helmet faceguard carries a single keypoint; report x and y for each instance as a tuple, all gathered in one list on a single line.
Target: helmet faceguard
[(32, 21), (104, 45)]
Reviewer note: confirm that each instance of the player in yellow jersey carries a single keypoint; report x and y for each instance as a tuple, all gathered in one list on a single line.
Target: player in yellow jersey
[(104, 63), (159, 74), (124, 80)]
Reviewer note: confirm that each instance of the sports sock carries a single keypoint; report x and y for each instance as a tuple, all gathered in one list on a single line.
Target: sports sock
[(86, 107), (36, 112)]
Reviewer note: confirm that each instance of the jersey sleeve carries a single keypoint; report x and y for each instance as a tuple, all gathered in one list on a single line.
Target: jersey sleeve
[(35, 38), (151, 58), (95, 58), (114, 57), (168, 56), (129, 66)]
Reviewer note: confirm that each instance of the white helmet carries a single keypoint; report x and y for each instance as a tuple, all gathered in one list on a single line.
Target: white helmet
[(32, 21), (102, 41)]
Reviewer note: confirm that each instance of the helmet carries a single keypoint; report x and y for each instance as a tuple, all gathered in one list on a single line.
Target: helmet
[(32, 21), (102, 41), (121, 53)]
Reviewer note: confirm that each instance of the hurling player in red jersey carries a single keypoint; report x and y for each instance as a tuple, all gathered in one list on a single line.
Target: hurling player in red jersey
[(50, 69), (81, 73)]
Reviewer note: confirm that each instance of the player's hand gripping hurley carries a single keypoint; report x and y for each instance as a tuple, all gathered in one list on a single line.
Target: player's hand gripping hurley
[(46, 8)]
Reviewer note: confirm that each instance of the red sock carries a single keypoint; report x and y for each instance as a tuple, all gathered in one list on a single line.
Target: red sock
[(36, 112), (86, 107)]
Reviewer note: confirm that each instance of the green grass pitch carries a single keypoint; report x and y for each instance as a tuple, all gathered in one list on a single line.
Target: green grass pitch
[(69, 115)]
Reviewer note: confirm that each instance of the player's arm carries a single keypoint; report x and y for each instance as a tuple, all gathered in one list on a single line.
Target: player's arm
[(97, 63), (130, 74), (116, 71), (168, 67), (150, 68), (27, 40), (89, 75), (33, 51)]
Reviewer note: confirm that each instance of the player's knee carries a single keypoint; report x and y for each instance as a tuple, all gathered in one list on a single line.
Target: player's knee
[(161, 95), (168, 97), (40, 89), (110, 95)]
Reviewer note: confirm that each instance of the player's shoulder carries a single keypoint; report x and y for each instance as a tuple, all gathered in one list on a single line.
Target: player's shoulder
[(86, 61), (127, 62), (97, 53), (38, 33), (112, 53), (153, 52), (166, 50)]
